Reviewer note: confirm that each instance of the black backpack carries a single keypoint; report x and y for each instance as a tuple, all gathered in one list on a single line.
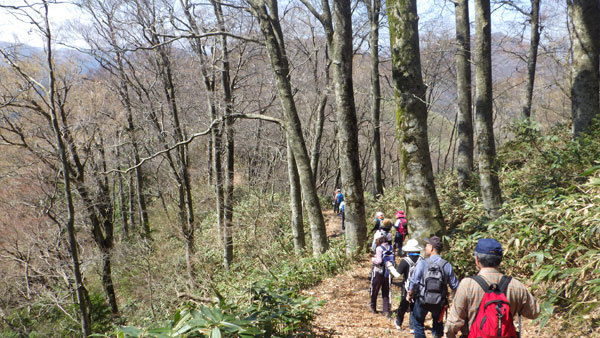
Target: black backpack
[(433, 286)]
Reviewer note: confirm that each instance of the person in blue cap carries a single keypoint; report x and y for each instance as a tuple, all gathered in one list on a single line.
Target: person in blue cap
[(465, 306)]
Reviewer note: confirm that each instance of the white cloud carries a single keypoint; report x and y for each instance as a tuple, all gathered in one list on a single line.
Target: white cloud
[(16, 26)]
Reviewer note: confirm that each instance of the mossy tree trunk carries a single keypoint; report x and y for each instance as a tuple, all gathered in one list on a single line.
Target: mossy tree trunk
[(464, 167), (267, 14), (584, 28), (484, 124), (356, 227), (422, 205)]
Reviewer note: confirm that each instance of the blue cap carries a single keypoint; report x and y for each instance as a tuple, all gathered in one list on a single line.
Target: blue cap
[(489, 246)]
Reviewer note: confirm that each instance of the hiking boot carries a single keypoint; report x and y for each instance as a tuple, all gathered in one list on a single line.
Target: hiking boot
[(398, 324), (387, 315), (373, 310)]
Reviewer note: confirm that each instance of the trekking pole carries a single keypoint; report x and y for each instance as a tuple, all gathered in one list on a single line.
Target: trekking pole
[(519, 324)]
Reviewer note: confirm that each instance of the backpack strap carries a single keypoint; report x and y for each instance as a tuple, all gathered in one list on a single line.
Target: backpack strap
[(484, 285), (503, 284)]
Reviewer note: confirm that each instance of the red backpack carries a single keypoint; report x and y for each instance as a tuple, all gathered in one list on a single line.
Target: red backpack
[(493, 319)]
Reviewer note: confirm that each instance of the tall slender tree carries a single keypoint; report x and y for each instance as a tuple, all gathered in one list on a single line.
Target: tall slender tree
[(374, 10), (464, 167), (584, 29), (356, 227), (267, 14), (422, 205), (488, 167), (534, 22)]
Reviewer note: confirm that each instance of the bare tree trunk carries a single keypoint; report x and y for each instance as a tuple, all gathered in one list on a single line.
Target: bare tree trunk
[(488, 167), (122, 210), (373, 9), (356, 227), (269, 24), (230, 144), (584, 29), (82, 294), (464, 166), (295, 203), (209, 84), (422, 204), (534, 20)]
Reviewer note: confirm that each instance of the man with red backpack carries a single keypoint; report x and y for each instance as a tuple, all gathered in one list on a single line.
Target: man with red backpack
[(485, 305)]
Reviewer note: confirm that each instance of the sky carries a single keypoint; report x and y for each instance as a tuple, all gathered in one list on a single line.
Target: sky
[(432, 12), (17, 28)]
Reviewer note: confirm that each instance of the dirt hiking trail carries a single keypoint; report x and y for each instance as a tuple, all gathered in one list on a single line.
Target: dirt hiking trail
[(346, 313)]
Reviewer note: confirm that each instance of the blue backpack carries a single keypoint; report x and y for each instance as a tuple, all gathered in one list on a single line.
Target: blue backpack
[(387, 256)]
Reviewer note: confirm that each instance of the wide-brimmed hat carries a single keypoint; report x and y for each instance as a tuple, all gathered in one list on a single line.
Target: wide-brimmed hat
[(400, 213), (412, 245)]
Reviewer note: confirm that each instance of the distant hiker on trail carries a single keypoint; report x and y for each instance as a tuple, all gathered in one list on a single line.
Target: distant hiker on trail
[(406, 268), (378, 219), (401, 226), (468, 307), (382, 270), (428, 288), (385, 230), (343, 214), (338, 198)]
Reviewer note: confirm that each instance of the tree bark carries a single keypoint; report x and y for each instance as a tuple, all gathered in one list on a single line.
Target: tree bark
[(216, 139), (122, 210), (534, 21), (295, 203), (584, 29), (269, 24), (230, 143), (356, 227), (464, 166), (82, 294), (422, 205), (488, 167), (373, 10)]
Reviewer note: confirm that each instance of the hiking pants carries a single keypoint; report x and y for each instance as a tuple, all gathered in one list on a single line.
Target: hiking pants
[(420, 311), (343, 220), (380, 282), (405, 307), (336, 207)]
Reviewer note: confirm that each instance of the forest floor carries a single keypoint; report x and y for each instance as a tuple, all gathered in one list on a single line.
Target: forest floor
[(346, 311)]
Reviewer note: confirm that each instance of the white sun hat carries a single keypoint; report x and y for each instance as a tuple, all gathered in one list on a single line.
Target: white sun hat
[(412, 246)]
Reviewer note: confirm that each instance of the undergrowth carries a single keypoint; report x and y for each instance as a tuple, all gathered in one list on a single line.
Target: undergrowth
[(550, 228)]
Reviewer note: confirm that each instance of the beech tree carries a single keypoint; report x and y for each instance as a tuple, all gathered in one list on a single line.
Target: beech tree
[(584, 29), (484, 123), (267, 14), (347, 126), (422, 205), (464, 167)]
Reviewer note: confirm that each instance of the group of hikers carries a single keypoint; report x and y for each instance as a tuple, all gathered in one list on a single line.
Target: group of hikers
[(484, 305)]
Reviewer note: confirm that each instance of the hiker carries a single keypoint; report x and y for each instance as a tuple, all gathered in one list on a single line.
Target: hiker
[(378, 219), (380, 279), (385, 230), (463, 315), (401, 226), (343, 213), (428, 288), (406, 268), (336, 202)]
